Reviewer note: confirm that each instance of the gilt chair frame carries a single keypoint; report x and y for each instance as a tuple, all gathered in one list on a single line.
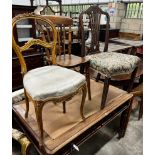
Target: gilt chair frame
[(38, 105)]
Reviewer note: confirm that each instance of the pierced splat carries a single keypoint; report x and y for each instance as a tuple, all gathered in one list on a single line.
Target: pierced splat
[(94, 14)]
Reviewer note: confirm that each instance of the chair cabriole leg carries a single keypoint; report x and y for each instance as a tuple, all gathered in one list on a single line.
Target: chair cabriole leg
[(38, 110)]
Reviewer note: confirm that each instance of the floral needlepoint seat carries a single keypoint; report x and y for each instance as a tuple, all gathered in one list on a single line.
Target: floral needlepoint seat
[(112, 63)]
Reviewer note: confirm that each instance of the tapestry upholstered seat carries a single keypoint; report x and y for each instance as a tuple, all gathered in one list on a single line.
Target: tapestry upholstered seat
[(112, 63), (42, 85)]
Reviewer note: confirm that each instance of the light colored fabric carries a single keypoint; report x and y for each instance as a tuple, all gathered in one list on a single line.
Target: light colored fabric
[(112, 63), (52, 81)]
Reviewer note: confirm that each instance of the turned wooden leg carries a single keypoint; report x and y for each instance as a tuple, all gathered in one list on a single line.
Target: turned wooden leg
[(64, 107), (105, 92), (84, 92), (38, 111), (141, 109), (88, 79), (125, 119), (27, 104), (133, 75), (81, 69), (98, 77)]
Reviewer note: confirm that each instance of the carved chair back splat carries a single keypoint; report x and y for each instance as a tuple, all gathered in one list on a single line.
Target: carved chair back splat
[(93, 14)]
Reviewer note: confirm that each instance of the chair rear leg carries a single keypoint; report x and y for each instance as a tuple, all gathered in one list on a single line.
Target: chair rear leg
[(105, 92), (84, 92), (88, 80), (27, 104), (133, 75), (98, 77), (64, 106), (141, 109)]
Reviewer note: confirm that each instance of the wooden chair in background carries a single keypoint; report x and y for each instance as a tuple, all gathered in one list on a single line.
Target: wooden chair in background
[(48, 83), (108, 64), (64, 56)]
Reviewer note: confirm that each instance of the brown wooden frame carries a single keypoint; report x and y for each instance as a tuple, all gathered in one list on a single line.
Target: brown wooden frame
[(124, 110), (94, 13), (19, 51)]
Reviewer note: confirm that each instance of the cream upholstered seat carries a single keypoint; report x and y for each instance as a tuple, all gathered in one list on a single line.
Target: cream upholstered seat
[(44, 82), (112, 63)]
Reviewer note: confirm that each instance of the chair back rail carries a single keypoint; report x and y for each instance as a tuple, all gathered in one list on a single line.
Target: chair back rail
[(94, 15), (32, 42), (64, 32)]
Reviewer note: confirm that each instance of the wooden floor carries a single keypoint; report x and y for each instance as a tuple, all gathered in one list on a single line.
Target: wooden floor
[(60, 128)]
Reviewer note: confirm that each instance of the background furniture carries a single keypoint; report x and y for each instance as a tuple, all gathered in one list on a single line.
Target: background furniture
[(113, 33), (138, 92), (65, 58), (48, 9)]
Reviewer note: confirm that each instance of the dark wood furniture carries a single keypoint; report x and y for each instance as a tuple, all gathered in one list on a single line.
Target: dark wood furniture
[(138, 92), (33, 56), (132, 39), (91, 46), (112, 33), (65, 132)]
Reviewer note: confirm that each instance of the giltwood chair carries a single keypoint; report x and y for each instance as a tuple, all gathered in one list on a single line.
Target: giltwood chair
[(108, 64), (64, 56), (22, 139), (46, 83)]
